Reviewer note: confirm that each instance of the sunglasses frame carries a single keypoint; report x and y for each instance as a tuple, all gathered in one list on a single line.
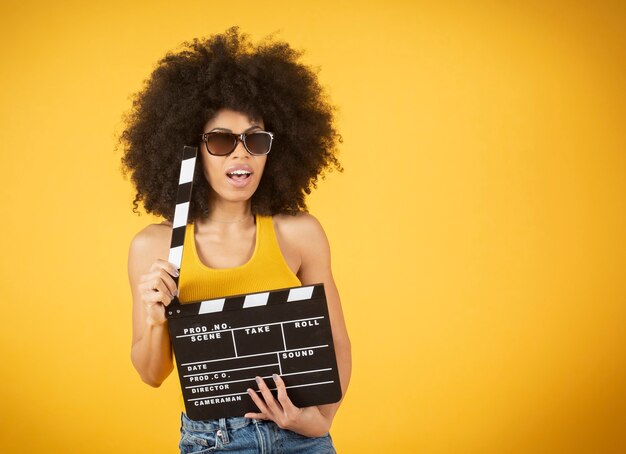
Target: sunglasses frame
[(238, 138)]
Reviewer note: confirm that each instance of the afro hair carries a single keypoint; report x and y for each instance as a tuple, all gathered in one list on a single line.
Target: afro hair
[(188, 87)]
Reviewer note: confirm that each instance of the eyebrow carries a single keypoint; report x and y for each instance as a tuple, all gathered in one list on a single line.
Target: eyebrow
[(228, 130)]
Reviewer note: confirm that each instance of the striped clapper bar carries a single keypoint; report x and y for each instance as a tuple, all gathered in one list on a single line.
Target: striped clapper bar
[(222, 344)]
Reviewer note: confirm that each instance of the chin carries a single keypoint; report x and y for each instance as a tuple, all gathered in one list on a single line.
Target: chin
[(240, 198), (237, 196)]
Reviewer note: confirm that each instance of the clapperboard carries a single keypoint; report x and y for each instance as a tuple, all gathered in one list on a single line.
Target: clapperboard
[(222, 344)]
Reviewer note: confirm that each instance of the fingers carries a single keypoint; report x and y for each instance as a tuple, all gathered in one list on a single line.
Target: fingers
[(274, 408), (283, 412), (158, 285), (153, 290), (264, 403), (167, 281), (254, 415), (165, 270), (260, 405), (284, 400), (307, 421), (166, 266)]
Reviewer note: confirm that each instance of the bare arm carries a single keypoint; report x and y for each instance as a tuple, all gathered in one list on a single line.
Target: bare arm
[(315, 268), (152, 289), (306, 236)]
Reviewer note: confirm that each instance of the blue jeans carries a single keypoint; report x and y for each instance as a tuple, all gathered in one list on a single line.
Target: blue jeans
[(246, 436)]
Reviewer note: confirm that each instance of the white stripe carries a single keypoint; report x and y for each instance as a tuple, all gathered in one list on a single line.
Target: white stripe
[(230, 370), (258, 299), (186, 170), (180, 214), (300, 293), (250, 356), (176, 256), (224, 382), (308, 371), (248, 379), (211, 306), (258, 391), (255, 326)]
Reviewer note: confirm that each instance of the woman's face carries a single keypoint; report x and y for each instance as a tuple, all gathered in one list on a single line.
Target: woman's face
[(218, 170)]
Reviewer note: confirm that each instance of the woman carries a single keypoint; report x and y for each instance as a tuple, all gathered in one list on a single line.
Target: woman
[(265, 134)]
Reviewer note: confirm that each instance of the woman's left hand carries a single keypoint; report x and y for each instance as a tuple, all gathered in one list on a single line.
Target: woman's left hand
[(307, 421)]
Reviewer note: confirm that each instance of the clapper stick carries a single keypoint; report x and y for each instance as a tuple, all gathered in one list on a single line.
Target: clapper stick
[(181, 215)]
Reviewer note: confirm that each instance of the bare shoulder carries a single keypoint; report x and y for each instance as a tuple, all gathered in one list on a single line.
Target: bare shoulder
[(302, 235), (152, 241), (306, 238), (299, 229)]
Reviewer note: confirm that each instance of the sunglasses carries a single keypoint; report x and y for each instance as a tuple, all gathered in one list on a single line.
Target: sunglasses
[(257, 143)]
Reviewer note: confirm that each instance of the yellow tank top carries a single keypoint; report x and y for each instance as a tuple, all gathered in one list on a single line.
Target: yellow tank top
[(266, 270)]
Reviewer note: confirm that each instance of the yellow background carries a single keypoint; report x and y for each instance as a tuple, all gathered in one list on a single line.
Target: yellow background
[(478, 231)]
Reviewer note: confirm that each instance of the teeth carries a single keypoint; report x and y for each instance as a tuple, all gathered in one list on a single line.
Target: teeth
[(239, 172)]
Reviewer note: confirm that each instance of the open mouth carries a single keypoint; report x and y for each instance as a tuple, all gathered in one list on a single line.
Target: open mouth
[(239, 175)]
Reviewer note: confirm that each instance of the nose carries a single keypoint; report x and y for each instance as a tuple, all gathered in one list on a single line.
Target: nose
[(240, 150)]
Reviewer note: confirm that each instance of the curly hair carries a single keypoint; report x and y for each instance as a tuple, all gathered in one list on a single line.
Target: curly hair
[(188, 87)]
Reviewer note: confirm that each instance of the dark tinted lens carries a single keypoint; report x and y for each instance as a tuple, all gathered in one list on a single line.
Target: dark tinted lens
[(258, 142), (220, 143)]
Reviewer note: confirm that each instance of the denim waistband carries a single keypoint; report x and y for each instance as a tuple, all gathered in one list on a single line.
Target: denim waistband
[(214, 425)]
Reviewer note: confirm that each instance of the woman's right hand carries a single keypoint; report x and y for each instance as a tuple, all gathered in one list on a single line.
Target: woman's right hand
[(157, 289)]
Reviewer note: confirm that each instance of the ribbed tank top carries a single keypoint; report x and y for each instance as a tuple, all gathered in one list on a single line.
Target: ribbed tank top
[(266, 269)]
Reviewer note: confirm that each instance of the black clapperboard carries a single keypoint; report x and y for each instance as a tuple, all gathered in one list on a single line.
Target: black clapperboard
[(222, 344)]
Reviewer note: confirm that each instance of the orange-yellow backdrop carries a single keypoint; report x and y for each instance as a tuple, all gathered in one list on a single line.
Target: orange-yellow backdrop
[(478, 232)]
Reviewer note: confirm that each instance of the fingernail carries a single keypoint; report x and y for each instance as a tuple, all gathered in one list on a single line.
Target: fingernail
[(176, 273), (259, 380), (275, 377)]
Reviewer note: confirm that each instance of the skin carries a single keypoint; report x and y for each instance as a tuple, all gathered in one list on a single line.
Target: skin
[(229, 234)]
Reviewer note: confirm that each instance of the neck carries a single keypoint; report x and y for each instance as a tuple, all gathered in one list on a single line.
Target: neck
[(226, 213)]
